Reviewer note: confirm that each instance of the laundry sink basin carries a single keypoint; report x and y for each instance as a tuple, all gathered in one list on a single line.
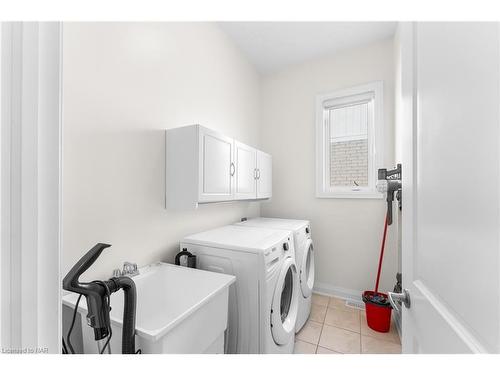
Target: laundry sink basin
[(179, 310)]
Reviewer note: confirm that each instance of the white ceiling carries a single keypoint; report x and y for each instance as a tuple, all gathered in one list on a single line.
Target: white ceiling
[(271, 46)]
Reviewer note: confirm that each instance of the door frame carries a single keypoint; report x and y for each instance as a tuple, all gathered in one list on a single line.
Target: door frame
[(409, 138), (31, 191)]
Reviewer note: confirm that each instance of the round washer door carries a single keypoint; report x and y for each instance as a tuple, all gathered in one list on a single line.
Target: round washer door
[(285, 303), (307, 270)]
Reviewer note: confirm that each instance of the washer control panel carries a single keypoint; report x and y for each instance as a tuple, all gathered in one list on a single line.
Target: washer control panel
[(274, 254)]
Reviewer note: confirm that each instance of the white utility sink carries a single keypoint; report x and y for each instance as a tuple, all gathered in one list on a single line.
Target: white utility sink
[(179, 310)]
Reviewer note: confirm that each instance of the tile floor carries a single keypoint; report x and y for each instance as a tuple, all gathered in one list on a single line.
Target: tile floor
[(334, 328)]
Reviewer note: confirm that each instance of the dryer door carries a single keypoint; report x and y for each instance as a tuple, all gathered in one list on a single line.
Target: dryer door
[(285, 303), (307, 269)]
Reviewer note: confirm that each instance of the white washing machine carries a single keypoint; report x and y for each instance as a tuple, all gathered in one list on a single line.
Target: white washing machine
[(304, 257), (263, 302)]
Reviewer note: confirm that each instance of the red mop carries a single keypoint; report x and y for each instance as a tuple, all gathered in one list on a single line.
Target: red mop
[(378, 308)]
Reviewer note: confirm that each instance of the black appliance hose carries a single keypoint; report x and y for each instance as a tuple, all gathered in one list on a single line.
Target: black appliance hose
[(129, 307)]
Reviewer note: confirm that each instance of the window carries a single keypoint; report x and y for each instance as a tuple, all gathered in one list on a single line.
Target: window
[(349, 135)]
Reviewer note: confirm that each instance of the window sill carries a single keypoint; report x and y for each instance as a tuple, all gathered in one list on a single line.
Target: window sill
[(350, 195)]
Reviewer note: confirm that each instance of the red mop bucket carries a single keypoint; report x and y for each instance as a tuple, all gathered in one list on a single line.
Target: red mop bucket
[(378, 311), (377, 306)]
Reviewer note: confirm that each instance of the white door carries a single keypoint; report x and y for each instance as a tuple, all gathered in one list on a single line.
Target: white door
[(264, 175), (451, 187), (245, 160), (216, 167)]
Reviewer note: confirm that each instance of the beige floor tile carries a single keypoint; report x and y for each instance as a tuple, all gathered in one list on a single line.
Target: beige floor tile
[(318, 299), (370, 345), (391, 336), (340, 340), (310, 332), (347, 319), (321, 350), (339, 303), (318, 313), (302, 347)]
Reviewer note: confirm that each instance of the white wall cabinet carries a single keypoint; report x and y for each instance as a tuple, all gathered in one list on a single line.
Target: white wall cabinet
[(204, 166), (246, 172), (264, 175), (216, 167)]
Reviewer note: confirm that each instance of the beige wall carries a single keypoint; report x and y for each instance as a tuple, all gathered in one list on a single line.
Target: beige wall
[(123, 84), (346, 232)]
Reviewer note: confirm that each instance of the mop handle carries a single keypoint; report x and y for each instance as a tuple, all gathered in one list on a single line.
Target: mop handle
[(381, 253)]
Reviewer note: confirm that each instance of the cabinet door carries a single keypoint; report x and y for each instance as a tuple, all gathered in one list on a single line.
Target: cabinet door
[(216, 167), (245, 159), (264, 175)]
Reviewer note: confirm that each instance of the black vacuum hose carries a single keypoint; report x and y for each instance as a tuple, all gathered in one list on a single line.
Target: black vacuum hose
[(96, 293), (128, 329)]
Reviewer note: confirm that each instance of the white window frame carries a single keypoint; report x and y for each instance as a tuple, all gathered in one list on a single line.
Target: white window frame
[(324, 103)]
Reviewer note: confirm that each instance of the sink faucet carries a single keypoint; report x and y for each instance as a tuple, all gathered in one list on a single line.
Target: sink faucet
[(129, 269)]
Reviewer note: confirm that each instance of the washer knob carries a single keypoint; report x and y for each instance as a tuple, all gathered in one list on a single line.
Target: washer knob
[(285, 246), (307, 229)]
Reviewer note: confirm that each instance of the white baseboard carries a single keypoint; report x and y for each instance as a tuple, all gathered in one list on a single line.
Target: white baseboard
[(336, 291)]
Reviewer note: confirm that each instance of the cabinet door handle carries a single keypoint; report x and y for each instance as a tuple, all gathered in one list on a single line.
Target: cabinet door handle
[(255, 173), (232, 169), (258, 174)]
